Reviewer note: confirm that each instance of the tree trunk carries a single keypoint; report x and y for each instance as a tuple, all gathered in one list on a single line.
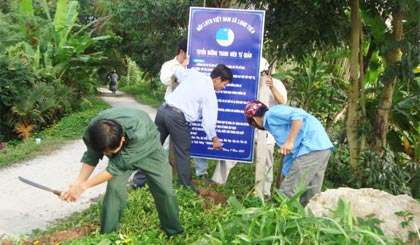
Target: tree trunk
[(128, 65), (393, 56), (352, 116), (362, 104)]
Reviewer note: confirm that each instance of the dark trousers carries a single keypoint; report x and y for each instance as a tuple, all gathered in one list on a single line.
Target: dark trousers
[(171, 121), (139, 179)]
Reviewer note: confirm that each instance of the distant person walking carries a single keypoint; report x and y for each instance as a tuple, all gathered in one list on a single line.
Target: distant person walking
[(113, 81), (130, 140)]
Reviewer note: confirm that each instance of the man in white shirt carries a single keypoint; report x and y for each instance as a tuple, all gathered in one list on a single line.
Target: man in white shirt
[(167, 71), (194, 98), (169, 80), (272, 92)]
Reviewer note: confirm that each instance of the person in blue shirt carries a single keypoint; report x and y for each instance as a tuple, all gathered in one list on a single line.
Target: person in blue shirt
[(302, 140)]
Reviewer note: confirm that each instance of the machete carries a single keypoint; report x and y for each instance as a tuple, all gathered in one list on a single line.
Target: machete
[(34, 184)]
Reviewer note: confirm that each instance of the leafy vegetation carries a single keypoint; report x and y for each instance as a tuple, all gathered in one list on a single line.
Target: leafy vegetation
[(242, 220), (142, 93), (52, 55), (69, 128), (134, 22), (286, 222)]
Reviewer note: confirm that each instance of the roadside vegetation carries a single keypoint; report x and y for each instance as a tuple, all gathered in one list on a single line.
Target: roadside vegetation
[(240, 218), (68, 128)]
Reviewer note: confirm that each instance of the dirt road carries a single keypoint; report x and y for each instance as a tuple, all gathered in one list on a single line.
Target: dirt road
[(24, 208)]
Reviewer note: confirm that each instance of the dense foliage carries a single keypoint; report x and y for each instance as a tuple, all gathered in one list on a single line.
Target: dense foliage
[(47, 67), (298, 28), (54, 136), (150, 30)]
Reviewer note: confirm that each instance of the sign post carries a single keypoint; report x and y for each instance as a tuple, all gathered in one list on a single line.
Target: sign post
[(234, 38)]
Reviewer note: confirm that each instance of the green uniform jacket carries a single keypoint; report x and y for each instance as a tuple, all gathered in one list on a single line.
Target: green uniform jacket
[(141, 139)]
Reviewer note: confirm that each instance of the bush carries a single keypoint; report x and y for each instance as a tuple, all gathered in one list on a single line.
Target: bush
[(69, 128), (391, 173), (15, 82)]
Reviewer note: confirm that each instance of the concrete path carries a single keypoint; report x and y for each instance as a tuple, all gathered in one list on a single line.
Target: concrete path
[(24, 208)]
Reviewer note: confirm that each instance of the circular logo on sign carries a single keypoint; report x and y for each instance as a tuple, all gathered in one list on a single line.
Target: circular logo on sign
[(225, 37)]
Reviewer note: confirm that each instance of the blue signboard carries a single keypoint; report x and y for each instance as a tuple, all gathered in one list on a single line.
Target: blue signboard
[(234, 38)]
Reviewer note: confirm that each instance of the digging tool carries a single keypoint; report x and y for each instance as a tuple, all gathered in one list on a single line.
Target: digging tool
[(280, 176), (42, 187)]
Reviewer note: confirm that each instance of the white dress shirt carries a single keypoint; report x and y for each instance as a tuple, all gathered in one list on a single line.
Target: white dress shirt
[(195, 97), (166, 75)]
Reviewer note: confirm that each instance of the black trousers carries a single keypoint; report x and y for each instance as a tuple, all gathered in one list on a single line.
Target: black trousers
[(171, 121)]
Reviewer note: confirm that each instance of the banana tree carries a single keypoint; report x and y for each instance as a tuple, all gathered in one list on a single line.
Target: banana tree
[(52, 48), (392, 41), (62, 44)]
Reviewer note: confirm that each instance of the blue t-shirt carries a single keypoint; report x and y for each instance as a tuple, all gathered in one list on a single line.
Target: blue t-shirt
[(311, 137)]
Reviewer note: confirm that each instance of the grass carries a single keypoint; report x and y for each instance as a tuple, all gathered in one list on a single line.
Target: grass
[(27, 150), (244, 220)]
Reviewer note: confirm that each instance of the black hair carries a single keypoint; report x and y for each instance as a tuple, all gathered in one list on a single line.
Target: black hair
[(222, 71), (104, 134), (183, 46), (261, 111)]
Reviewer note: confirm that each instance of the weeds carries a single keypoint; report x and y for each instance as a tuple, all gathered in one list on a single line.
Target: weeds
[(286, 222)]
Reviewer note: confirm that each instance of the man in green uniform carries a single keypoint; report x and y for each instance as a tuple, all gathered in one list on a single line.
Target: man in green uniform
[(130, 139)]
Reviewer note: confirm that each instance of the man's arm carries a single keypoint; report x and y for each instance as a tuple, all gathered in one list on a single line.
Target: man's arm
[(209, 119), (280, 93), (100, 178), (83, 182), (85, 172), (287, 147)]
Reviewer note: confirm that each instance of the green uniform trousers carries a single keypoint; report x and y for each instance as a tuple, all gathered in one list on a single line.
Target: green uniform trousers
[(159, 179)]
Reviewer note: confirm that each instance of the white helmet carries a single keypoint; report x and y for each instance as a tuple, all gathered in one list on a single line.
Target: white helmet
[(264, 65)]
